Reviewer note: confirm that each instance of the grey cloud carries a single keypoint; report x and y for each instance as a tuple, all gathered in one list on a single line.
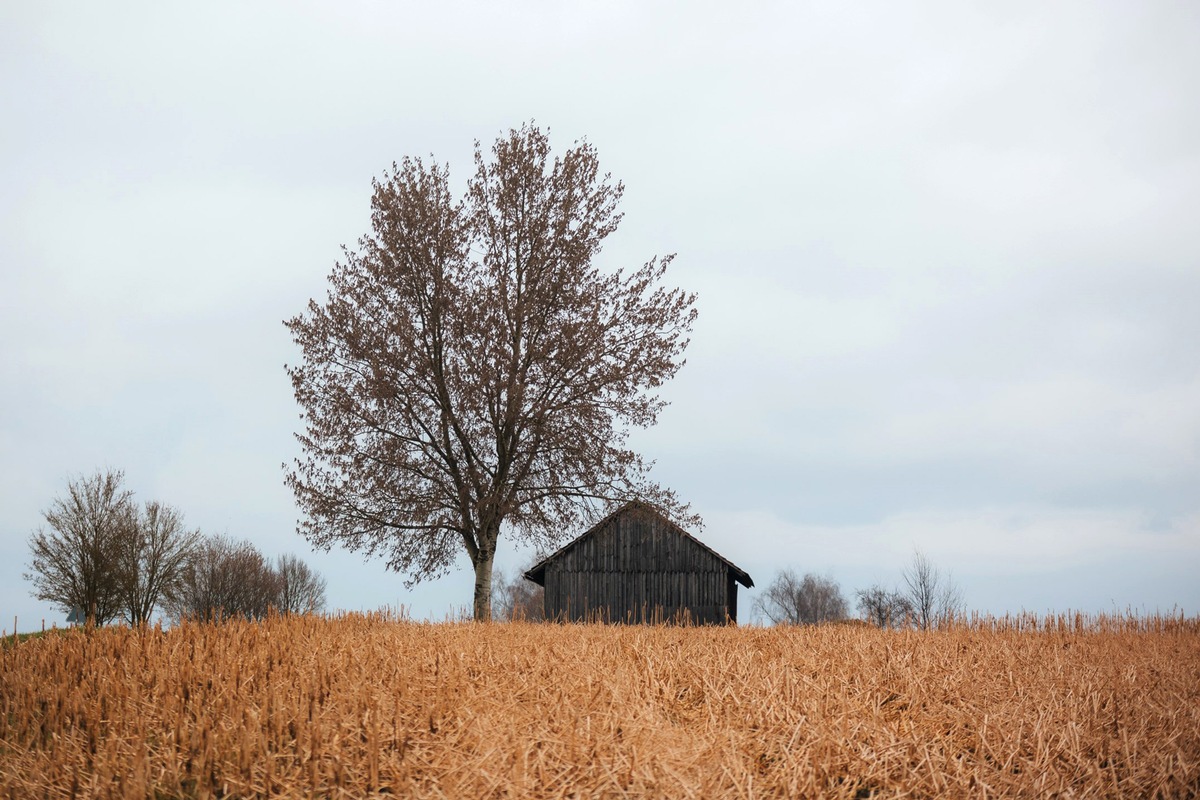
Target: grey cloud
[(946, 259)]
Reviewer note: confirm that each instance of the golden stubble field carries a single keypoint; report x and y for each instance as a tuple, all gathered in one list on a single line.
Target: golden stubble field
[(366, 705)]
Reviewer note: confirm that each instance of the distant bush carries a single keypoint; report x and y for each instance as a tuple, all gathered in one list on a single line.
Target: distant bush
[(811, 600), (227, 578)]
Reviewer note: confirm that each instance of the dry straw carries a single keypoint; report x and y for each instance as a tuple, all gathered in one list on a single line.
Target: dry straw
[(366, 705)]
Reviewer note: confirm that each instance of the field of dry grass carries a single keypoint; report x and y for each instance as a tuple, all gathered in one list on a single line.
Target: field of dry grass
[(365, 705)]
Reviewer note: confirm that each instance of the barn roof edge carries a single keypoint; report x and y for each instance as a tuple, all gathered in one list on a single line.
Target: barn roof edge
[(537, 573)]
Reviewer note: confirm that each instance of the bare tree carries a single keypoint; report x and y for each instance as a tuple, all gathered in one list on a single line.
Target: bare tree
[(516, 597), (301, 589), (884, 608), (933, 596), (225, 578), (76, 562), (473, 371), (153, 555), (811, 600)]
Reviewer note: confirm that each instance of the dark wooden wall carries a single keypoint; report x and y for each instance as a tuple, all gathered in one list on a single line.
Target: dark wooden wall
[(639, 568)]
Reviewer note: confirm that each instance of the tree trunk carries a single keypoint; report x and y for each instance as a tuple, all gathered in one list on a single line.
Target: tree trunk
[(483, 587)]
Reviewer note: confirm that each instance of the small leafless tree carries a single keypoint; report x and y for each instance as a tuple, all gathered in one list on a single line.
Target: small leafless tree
[(472, 371), (883, 607), (301, 589), (225, 578), (933, 596), (76, 560), (811, 600), (517, 597), (153, 555)]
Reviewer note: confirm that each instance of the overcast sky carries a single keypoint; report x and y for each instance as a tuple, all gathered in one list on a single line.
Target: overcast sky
[(947, 258)]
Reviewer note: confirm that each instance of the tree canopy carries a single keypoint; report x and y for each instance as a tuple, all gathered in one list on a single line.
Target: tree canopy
[(76, 561), (792, 600), (105, 556), (472, 368)]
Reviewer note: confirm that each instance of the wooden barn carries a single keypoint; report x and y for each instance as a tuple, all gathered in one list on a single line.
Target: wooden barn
[(635, 565)]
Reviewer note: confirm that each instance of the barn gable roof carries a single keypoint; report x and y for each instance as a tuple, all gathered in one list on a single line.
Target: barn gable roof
[(537, 573)]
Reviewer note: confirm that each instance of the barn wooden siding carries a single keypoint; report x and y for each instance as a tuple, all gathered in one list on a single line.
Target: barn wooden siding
[(637, 566)]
